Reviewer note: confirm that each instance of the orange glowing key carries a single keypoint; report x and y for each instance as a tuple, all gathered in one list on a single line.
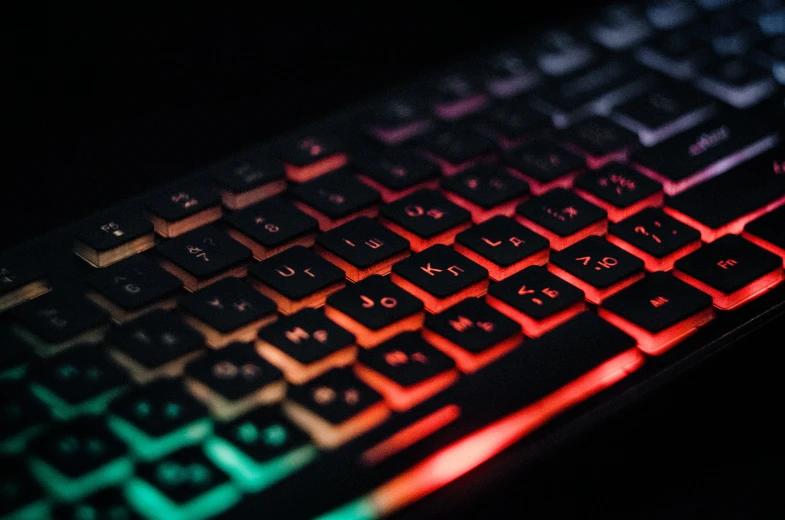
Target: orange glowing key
[(310, 156), (600, 140), (248, 178), (545, 165), (180, 209), (486, 190), (395, 172), (456, 147), (768, 232), (335, 198)]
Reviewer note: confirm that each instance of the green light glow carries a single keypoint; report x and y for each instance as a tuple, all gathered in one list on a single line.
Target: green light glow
[(18, 442), (67, 488), (150, 448), (65, 410), (154, 505), (35, 511), (360, 509), (13, 374)]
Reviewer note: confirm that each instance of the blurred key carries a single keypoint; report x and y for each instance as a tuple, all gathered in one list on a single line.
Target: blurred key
[(619, 189), (22, 416), (309, 155), (599, 140), (739, 83), (396, 172), (20, 280), (107, 504), (183, 207), (544, 165), (513, 121), (485, 190), (620, 27), (507, 74), (112, 235), (677, 53), (456, 147), (398, 119), (16, 356), (248, 178), (768, 231), (455, 95), (561, 51), (21, 497), (335, 198), (669, 14)]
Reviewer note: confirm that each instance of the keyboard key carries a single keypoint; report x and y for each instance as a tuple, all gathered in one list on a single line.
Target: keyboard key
[(248, 178), (259, 448), (664, 112), (374, 310), (157, 344), (309, 156), (597, 267), (425, 218), (620, 27), (181, 208), (678, 53), (659, 311), (513, 121), (486, 190), (15, 356), (108, 504), (455, 96), (271, 226), (731, 270), (132, 287), (22, 416), (82, 380), (670, 14), (619, 189), (21, 497), (406, 370), (362, 247), (397, 120), (703, 152), (184, 485), (456, 147), (472, 333), (544, 165), (502, 246), (227, 311), (335, 198), (305, 345), (768, 232), (296, 278), (335, 407), (59, 320), (655, 237), (507, 74), (204, 256), (233, 380), (113, 235), (561, 51), (20, 280), (599, 140), (75, 459), (716, 207), (159, 418), (737, 82), (440, 277), (396, 172), (562, 217)]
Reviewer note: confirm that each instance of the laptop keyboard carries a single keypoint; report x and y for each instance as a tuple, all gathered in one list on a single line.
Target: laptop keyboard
[(390, 297)]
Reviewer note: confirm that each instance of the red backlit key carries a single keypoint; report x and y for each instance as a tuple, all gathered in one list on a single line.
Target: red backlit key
[(425, 218), (395, 172), (655, 237), (726, 203), (397, 120), (248, 178), (597, 267), (472, 333), (455, 96), (562, 217), (486, 190), (180, 209), (362, 247), (305, 345), (335, 198), (440, 277), (456, 147), (544, 165), (513, 121), (296, 278), (600, 140), (309, 156), (619, 189), (503, 246), (659, 311), (374, 310), (731, 270), (768, 232), (537, 299), (406, 370), (335, 407)]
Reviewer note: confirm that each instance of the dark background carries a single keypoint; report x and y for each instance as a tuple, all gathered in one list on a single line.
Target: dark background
[(123, 97)]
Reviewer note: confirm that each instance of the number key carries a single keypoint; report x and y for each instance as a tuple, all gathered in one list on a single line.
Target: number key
[(181, 208), (248, 178)]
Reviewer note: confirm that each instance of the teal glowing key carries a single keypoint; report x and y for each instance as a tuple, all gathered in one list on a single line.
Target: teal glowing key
[(259, 449), (182, 486)]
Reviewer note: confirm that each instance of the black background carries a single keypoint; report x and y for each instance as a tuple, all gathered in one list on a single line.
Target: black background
[(116, 98)]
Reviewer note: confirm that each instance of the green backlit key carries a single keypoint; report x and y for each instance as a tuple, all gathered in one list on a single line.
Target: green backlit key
[(159, 418), (21, 497), (259, 448), (183, 486), (21, 416), (108, 504)]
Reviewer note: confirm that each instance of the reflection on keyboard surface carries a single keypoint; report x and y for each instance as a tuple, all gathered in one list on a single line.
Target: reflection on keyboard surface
[(533, 227)]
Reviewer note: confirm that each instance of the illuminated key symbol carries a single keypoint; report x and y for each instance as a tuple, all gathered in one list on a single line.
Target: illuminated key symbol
[(659, 301), (537, 301), (523, 290), (324, 395), (274, 435), (778, 167), (430, 270), (420, 357), (487, 326), (242, 306), (642, 231), (570, 211), (461, 324), (215, 302), (492, 244), (225, 370), (555, 161), (351, 397), (472, 183), (725, 264), (311, 146), (172, 410), (247, 433), (551, 293), (387, 302), (395, 358)]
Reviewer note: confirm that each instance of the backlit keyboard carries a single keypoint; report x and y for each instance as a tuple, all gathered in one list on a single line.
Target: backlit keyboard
[(390, 297)]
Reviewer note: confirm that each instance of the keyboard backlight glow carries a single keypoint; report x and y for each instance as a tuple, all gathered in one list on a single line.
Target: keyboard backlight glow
[(495, 271), (653, 263), (531, 327), (434, 304), (728, 302), (559, 242), (593, 294), (417, 243), (402, 398), (313, 170), (616, 214), (390, 195), (370, 338), (765, 245), (480, 214)]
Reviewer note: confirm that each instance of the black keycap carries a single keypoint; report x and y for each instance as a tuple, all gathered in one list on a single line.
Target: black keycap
[(362, 243), (375, 302), (685, 159), (748, 187), (513, 119), (451, 88), (181, 201), (108, 504), (456, 144), (398, 112), (155, 339), (425, 213), (134, 283), (561, 212), (18, 270), (307, 149), (737, 82), (297, 273), (233, 372), (506, 74), (159, 408), (544, 161), (262, 434), (78, 375), (78, 447), (536, 292), (620, 26), (597, 262), (57, 317), (19, 410), (246, 171), (560, 51), (654, 232), (678, 53), (18, 490), (204, 252), (14, 353), (406, 359), (336, 396), (486, 185), (336, 194), (599, 136), (395, 168), (618, 185), (770, 228), (501, 241), (182, 476), (228, 305), (272, 224), (113, 228)]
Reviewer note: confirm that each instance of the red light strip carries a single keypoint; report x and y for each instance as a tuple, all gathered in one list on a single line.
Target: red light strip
[(461, 108), (356, 274), (765, 245), (326, 223), (390, 195), (593, 294), (465, 360), (497, 272), (434, 304), (480, 214), (417, 243), (531, 327), (615, 213), (313, 170), (736, 299), (401, 398), (287, 305), (370, 338), (558, 242), (596, 162), (653, 263)]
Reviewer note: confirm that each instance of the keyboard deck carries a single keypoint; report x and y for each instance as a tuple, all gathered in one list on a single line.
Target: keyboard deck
[(346, 319)]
